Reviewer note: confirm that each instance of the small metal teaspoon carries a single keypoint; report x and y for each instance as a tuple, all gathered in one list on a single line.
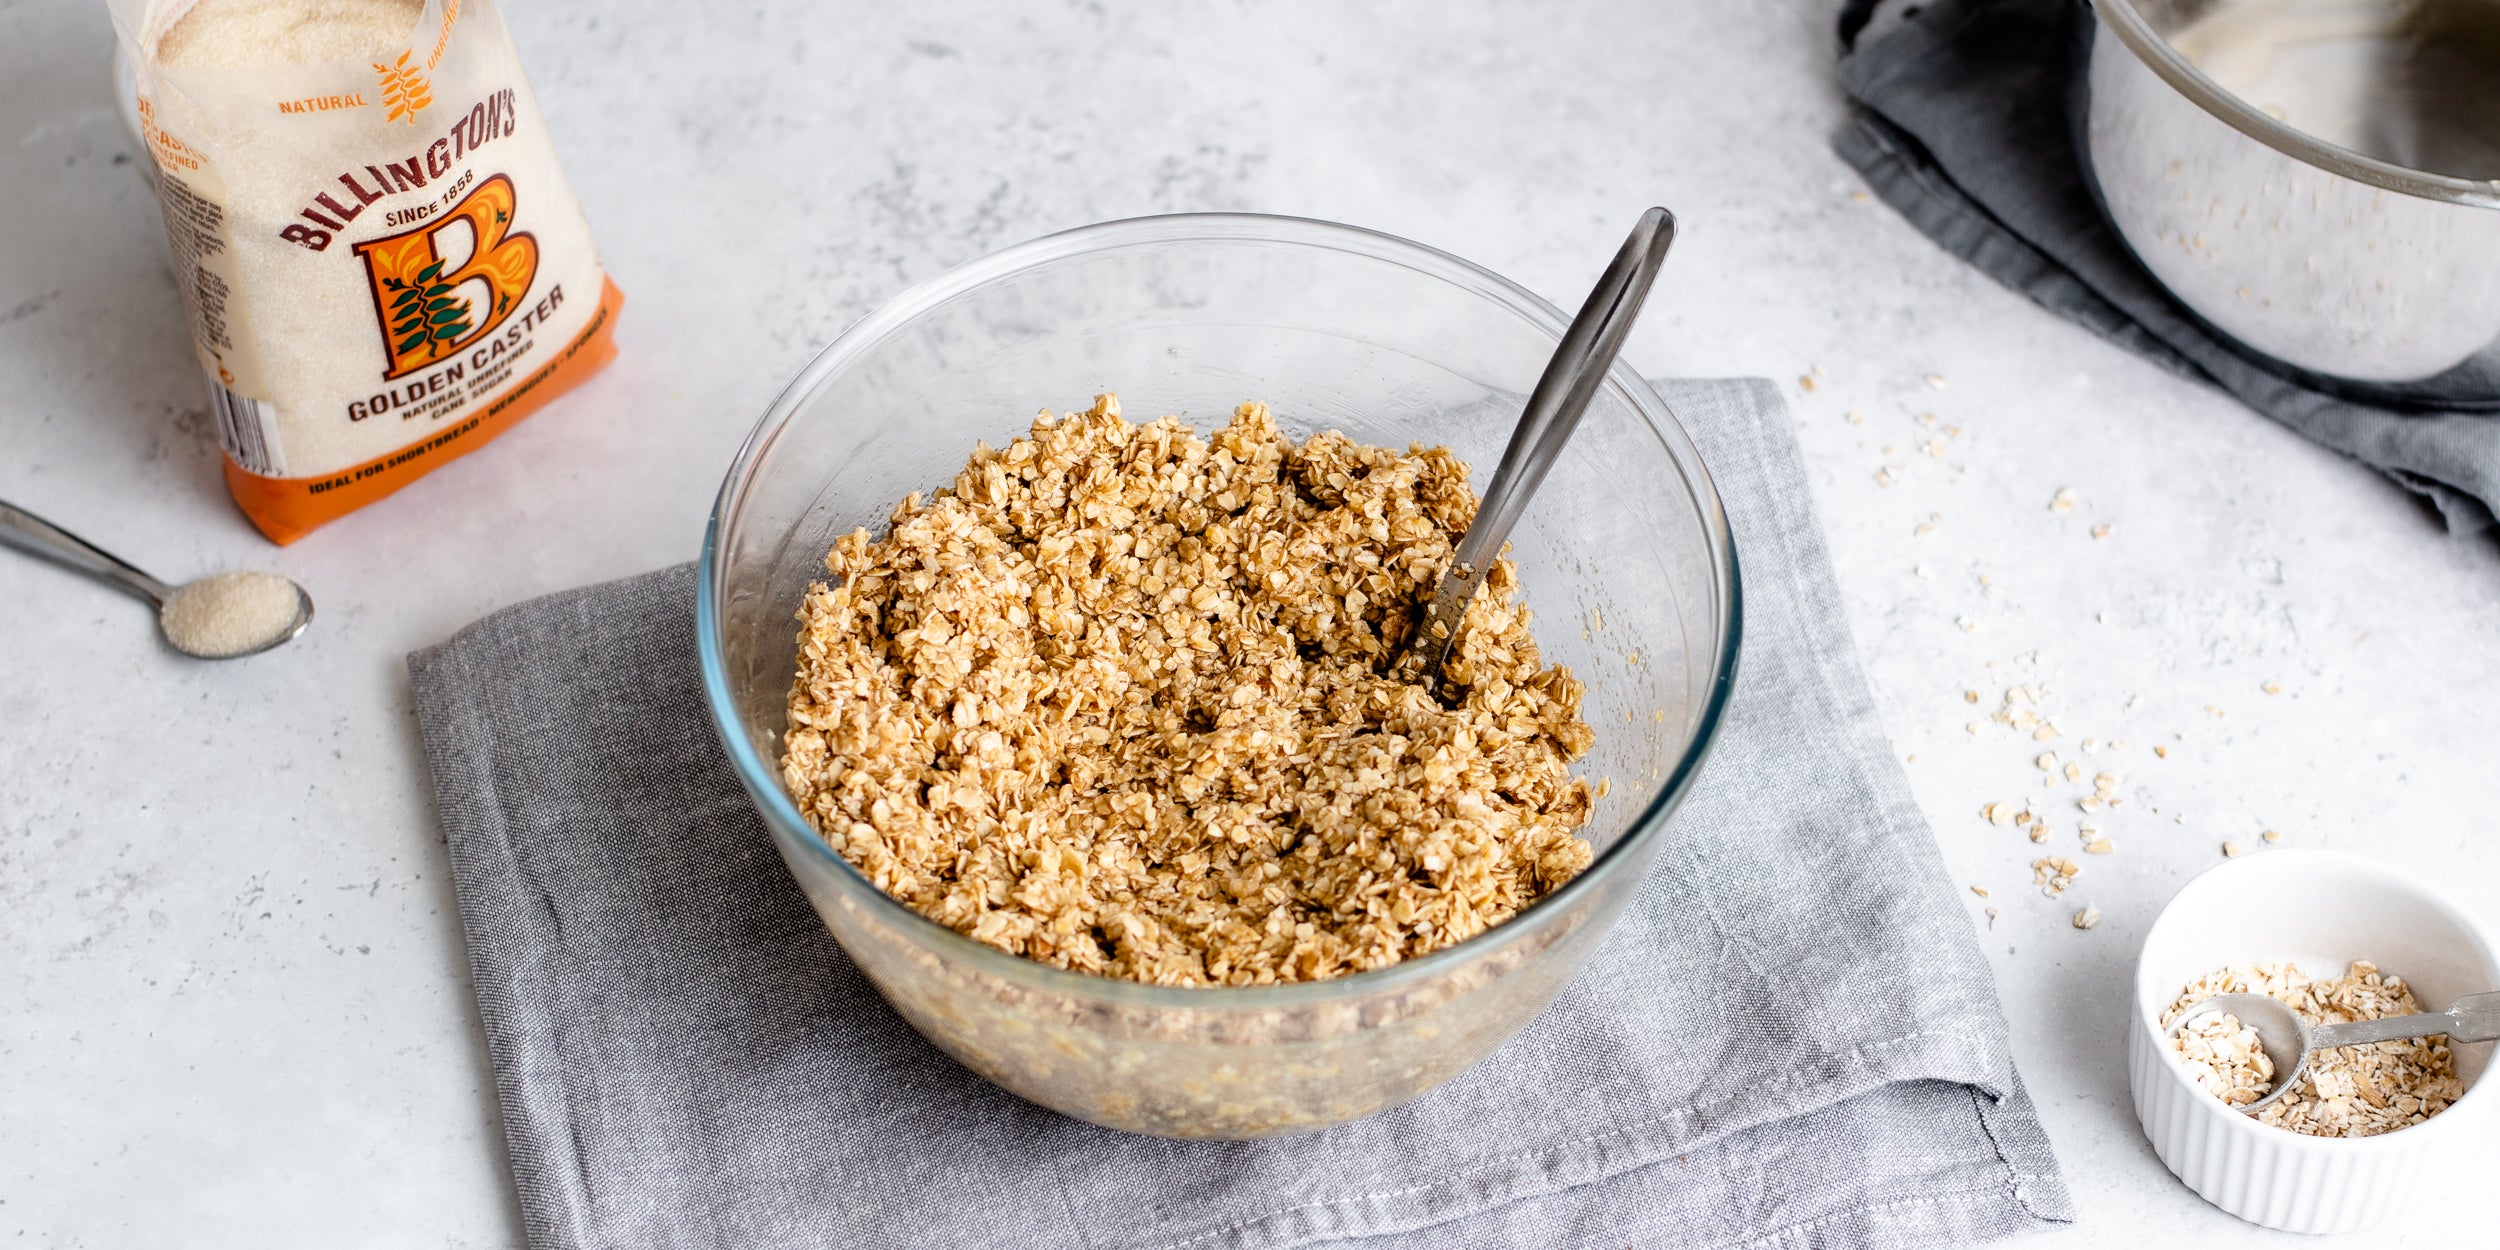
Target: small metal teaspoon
[(38, 537), (2289, 1040)]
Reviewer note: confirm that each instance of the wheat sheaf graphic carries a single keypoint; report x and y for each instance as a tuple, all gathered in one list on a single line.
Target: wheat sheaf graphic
[(425, 310), (405, 90)]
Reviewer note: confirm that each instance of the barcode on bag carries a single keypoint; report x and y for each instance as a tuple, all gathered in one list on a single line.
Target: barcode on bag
[(249, 429)]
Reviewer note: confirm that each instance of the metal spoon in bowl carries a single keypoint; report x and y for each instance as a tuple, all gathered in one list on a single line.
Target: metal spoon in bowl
[(2289, 1040), (224, 617), (1571, 378)]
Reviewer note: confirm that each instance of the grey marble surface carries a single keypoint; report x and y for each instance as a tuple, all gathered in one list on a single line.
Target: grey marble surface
[(233, 1007)]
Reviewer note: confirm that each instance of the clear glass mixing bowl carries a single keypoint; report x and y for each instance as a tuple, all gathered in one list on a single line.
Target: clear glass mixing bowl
[(1624, 555)]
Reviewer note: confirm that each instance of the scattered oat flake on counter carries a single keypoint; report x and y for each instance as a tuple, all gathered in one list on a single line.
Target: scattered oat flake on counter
[(2230, 850), (1808, 381), (1856, 417), (2101, 531), (1980, 890), (2088, 917), (2271, 836), (1968, 625), (2063, 500), (2271, 688), (2053, 874), (1935, 381)]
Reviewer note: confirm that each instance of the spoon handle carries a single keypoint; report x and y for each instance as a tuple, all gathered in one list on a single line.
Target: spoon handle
[(38, 537), (2477, 1017), (1554, 409), (2473, 1018)]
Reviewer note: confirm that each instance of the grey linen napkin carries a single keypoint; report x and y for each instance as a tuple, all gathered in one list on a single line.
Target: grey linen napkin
[(1792, 1038), (1965, 130)]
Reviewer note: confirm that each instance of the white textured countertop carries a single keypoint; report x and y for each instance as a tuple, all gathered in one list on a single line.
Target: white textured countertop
[(233, 999)]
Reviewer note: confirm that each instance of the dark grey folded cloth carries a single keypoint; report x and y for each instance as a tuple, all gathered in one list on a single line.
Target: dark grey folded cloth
[(1792, 1038), (1965, 131)]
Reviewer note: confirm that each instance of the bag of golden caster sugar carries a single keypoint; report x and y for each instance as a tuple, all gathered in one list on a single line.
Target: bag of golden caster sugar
[(383, 265)]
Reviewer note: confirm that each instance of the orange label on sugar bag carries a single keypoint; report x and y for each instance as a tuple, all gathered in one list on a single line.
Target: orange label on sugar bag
[(383, 263)]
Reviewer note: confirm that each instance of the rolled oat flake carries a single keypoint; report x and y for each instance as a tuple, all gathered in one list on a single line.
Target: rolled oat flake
[(383, 264)]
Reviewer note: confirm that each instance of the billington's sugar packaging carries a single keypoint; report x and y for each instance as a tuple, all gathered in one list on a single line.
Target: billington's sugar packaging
[(383, 265)]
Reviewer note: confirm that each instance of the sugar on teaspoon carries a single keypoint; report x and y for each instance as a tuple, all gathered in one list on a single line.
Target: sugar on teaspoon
[(222, 617)]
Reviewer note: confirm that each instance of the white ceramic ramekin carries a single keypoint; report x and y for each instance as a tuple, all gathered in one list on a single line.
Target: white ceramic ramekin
[(2320, 909)]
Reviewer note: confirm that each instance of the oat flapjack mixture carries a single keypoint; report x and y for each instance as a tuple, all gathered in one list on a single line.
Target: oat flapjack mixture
[(1122, 700)]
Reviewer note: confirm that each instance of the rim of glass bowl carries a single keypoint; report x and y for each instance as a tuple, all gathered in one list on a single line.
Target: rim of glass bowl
[(763, 781), (2183, 76)]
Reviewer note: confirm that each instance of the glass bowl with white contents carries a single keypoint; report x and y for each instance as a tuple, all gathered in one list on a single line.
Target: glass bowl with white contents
[(1335, 328)]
